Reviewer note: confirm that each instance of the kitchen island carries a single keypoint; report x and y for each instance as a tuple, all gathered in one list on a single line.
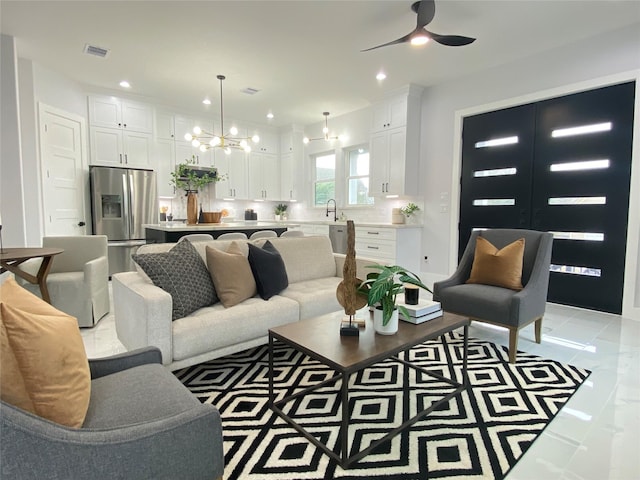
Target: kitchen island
[(171, 232)]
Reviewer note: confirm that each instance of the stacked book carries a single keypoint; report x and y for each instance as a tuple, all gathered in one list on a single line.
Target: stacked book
[(423, 311)]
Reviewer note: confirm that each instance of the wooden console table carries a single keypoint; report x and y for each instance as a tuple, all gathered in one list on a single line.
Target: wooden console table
[(11, 258)]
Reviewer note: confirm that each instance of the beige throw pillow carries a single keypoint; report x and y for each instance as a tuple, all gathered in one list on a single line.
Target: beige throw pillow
[(43, 361), (501, 268), (231, 275)]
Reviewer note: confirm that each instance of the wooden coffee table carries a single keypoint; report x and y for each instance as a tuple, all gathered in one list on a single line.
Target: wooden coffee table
[(320, 339), (11, 258)]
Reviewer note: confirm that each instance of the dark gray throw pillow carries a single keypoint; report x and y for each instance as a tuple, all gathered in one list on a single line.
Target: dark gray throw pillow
[(182, 273), (268, 270)]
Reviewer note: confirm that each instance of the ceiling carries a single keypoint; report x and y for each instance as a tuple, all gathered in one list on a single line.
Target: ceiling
[(303, 56)]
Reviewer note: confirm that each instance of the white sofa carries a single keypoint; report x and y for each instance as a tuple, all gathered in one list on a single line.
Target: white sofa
[(143, 311)]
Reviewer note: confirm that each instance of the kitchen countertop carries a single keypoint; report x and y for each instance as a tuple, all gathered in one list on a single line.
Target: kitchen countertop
[(180, 226)]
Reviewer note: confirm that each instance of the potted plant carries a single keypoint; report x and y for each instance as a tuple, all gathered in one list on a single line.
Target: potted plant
[(410, 210), (280, 211), (382, 288), (186, 178)]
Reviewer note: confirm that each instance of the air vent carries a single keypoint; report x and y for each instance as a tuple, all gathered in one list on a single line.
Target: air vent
[(250, 91), (97, 51)]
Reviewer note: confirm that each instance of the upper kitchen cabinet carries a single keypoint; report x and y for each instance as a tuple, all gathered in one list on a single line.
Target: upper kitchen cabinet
[(185, 124), (391, 113), (394, 149), (164, 127), (185, 152), (264, 176), (165, 160), (268, 142), (112, 112), (291, 159), (112, 147), (234, 166)]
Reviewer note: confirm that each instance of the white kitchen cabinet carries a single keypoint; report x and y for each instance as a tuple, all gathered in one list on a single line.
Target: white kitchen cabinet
[(234, 166), (391, 113), (164, 127), (388, 163), (264, 176), (394, 148), (165, 162), (288, 188), (269, 142), (185, 151), (114, 147), (112, 112), (314, 229), (390, 246), (184, 124)]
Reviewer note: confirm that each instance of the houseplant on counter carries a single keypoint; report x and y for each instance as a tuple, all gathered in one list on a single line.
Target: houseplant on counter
[(281, 211), (382, 288), (186, 178), (410, 210)]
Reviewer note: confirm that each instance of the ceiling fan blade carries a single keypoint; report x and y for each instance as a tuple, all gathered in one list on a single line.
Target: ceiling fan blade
[(450, 40), (394, 42), (426, 10)]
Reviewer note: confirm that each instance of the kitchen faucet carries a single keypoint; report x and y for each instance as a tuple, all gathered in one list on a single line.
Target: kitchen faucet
[(334, 211)]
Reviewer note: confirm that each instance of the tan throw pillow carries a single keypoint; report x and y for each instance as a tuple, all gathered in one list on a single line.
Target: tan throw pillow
[(231, 275), (43, 356), (501, 268)]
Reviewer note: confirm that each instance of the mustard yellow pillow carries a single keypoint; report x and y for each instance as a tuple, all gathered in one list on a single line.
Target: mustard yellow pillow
[(501, 268), (231, 274), (42, 346)]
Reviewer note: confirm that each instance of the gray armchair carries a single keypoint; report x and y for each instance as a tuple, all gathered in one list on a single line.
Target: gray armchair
[(78, 281), (496, 305), (142, 423)]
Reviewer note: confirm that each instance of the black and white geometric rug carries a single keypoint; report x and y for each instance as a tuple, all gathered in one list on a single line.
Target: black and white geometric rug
[(480, 433)]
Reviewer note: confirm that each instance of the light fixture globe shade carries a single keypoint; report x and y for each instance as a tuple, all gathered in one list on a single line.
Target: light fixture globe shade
[(215, 141), (325, 130), (203, 148), (243, 143), (255, 138), (195, 142), (419, 38), (188, 137), (233, 131), (197, 130), (227, 150), (247, 148), (343, 138), (305, 140)]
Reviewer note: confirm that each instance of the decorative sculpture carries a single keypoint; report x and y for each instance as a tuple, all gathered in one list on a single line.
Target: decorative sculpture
[(347, 291)]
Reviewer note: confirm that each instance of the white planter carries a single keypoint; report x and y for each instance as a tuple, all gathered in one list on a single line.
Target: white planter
[(390, 328), (277, 217)]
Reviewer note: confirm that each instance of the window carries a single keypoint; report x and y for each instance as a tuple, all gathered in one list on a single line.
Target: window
[(325, 178), (358, 179)]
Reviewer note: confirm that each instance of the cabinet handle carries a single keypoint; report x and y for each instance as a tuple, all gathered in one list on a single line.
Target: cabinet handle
[(372, 248), (125, 125), (119, 124), (126, 159), (373, 233), (387, 187), (120, 158), (382, 187)]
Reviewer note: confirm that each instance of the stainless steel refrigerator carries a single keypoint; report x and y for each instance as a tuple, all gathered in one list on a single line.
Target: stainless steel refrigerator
[(122, 200)]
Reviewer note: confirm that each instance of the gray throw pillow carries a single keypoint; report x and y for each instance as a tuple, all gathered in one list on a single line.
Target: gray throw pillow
[(182, 273)]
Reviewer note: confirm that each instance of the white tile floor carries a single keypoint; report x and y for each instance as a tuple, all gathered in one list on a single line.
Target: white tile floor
[(596, 436)]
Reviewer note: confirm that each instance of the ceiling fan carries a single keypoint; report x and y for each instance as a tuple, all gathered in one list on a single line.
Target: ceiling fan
[(426, 10)]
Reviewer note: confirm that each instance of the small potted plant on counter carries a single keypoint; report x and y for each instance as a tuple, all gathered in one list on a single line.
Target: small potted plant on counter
[(281, 211), (410, 210), (382, 288)]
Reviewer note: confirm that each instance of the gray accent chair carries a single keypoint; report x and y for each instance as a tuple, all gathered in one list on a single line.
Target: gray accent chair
[(497, 305), (78, 281), (142, 423)]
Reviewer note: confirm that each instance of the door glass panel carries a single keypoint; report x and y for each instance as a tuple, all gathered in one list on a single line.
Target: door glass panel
[(498, 172), (493, 202), (581, 130), (577, 166), (578, 201), (497, 142), (575, 270), (587, 236)]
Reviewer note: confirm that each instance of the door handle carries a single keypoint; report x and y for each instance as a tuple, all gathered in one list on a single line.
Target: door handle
[(81, 223)]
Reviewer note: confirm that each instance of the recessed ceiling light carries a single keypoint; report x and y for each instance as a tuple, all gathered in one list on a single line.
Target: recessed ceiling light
[(269, 115), (381, 76), (125, 84), (206, 101)]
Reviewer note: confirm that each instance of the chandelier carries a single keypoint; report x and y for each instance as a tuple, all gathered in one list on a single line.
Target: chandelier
[(226, 141), (325, 132)]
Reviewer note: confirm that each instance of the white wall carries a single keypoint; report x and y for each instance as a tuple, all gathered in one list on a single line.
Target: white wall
[(557, 72)]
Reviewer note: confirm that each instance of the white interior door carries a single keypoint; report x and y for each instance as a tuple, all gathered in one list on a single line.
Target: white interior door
[(62, 153)]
